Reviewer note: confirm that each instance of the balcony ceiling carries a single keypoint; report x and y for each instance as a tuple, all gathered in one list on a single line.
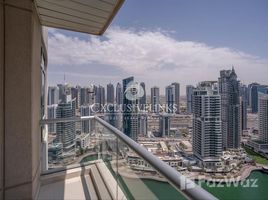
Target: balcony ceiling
[(88, 16)]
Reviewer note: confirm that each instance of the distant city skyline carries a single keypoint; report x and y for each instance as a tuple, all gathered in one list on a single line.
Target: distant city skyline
[(176, 46), (183, 90)]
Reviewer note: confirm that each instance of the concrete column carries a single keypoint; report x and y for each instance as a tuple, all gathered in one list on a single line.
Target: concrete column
[(22, 97)]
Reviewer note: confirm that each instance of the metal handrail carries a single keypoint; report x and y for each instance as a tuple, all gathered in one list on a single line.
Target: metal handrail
[(69, 119), (189, 188), (184, 185)]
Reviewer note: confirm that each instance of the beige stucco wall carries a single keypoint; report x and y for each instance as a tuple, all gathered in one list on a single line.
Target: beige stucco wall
[(22, 99), (36, 101)]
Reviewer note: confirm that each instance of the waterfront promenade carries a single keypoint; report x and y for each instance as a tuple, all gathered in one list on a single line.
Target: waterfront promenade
[(241, 175)]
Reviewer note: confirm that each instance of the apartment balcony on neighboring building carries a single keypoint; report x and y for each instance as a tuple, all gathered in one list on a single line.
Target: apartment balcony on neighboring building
[(35, 161)]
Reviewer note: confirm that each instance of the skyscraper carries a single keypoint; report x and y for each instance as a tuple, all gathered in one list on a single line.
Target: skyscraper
[(263, 117), (253, 97), (170, 99), (100, 98), (53, 95), (143, 124), (189, 94), (243, 106), (75, 94), (91, 91), (64, 90), (111, 115), (177, 97), (164, 125), (155, 99), (230, 108), (110, 93), (207, 132), (51, 114), (255, 88), (84, 96), (85, 111), (119, 94), (87, 95), (143, 98), (130, 116), (66, 130)]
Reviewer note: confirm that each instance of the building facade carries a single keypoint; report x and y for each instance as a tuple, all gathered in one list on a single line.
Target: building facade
[(243, 106), (189, 94), (170, 99), (65, 131), (75, 94), (143, 124), (51, 114), (110, 93), (155, 99), (263, 117), (87, 95), (53, 95), (254, 90), (207, 132), (164, 125), (100, 98), (85, 125), (119, 94), (143, 98), (230, 108), (177, 96), (130, 115)]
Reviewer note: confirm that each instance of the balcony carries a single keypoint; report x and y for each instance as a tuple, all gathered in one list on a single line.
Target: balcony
[(104, 163)]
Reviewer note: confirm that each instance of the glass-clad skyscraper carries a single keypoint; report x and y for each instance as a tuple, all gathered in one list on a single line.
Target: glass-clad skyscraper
[(110, 93), (155, 99), (65, 131), (170, 99), (130, 115), (263, 117), (230, 108), (189, 94)]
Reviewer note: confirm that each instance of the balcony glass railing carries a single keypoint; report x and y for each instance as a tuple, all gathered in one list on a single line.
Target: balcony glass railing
[(131, 172)]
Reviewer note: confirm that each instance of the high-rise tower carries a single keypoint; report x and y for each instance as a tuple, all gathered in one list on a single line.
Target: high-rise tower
[(100, 98), (53, 95), (86, 124), (207, 132), (263, 117), (155, 99), (230, 108), (243, 107), (66, 130), (177, 96), (189, 94), (130, 117), (143, 98), (170, 99), (254, 89), (110, 93), (119, 94)]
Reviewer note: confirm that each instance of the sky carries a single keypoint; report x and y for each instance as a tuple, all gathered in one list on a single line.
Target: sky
[(160, 42)]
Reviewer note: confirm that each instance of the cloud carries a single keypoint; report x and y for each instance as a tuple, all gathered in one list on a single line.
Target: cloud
[(153, 55)]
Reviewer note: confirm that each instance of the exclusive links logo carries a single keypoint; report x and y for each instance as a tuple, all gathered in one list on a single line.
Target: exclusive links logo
[(134, 91)]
